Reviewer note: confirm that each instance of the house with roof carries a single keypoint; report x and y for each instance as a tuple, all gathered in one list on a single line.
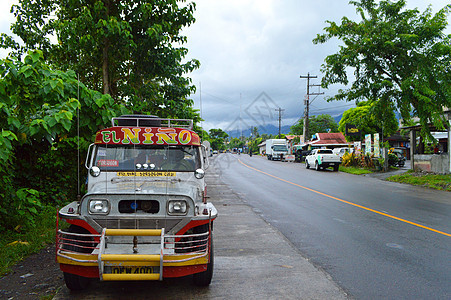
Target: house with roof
[(328, 140)]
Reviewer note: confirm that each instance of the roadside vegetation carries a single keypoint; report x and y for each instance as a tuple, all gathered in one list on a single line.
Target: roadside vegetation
[(355, 170), (434, 181), (22, 241), (52, 102)]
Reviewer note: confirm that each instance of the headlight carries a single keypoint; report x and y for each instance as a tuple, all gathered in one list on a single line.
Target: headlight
[(101, 207), (177, 207)]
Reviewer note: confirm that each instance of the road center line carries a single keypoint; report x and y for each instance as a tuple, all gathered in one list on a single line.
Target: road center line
[(347, 202)]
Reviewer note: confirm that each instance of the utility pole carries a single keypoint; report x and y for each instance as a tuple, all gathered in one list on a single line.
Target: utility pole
[(307, 103), (280, 117)]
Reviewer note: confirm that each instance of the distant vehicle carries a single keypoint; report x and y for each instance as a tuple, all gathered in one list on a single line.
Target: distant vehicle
[(299, 153), (321, 159), (276, 149), (215, 151), (341, 151), (399, 153)]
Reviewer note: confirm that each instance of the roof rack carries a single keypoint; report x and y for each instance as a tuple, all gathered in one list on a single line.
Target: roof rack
[(150, 121)]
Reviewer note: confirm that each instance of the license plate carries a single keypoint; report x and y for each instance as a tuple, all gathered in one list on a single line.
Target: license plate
[(131, 270)]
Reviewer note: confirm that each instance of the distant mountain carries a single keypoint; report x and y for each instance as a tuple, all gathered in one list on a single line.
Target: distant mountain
[(268, 129)]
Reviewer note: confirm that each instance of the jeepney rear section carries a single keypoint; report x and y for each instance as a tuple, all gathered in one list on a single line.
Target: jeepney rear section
[(140, 220)]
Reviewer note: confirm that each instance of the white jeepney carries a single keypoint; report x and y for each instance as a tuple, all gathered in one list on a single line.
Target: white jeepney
[(145, 215)]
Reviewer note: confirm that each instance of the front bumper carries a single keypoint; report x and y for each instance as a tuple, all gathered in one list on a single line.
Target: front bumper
[(133, 254)]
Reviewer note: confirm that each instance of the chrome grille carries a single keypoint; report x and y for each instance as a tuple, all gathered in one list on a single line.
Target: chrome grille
[(157, 223)]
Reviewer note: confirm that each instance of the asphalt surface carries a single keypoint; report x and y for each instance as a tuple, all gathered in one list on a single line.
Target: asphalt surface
[(253, 260), (377, 239)]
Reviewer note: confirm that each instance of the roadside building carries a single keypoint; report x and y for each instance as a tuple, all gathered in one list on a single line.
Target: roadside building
[(327, 140)]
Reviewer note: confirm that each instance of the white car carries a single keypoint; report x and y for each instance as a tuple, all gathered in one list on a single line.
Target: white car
[(341, 151), (321, 159)]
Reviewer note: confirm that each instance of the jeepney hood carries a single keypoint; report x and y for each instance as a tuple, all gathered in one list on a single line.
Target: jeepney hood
[(173, 186)]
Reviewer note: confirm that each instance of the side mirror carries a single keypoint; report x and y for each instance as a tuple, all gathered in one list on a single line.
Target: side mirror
[(199, 173)]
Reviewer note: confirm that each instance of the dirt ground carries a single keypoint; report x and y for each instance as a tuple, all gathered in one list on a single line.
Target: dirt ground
[(37, 277)]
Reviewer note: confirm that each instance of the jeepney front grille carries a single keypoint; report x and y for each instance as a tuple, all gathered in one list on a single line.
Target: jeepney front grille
[(158, 223)]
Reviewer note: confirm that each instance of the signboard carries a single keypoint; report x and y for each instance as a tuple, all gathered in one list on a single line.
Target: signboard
[(147, 136), (377, 152), (367, 143), (351, 130), (358, 146)]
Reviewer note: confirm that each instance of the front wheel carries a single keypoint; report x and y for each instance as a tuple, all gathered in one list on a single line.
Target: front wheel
[(336, 168), (204, 278), (75, 282), (307, 165)]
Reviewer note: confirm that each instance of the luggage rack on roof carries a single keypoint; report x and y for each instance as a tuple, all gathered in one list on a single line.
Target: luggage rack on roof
[(150, 121)]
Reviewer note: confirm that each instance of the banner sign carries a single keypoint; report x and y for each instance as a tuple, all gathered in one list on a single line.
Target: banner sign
[(377, 152), (147, 136), (367, 143), (351, 130), (358, 146)]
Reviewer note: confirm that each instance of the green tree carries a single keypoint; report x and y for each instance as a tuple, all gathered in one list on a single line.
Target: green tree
[(236, 143), (38, 144), (129, 49), (369, 119), (397, 56), (319, 123), (218, 138)]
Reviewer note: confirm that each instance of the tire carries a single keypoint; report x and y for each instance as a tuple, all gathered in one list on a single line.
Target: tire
[(336, 168), (317, 167), (75, 282), (204, 278), (307, 166)]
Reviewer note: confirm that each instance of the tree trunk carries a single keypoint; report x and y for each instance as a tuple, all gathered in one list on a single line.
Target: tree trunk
[(105, 62), (105, 67)]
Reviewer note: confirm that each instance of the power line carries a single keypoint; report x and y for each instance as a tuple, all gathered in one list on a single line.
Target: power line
[(280, 117), (307, 102)]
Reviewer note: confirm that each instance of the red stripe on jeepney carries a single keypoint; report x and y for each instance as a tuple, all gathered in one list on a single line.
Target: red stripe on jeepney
[(170, 272), (191, 225), (90, 271), (83, 224)]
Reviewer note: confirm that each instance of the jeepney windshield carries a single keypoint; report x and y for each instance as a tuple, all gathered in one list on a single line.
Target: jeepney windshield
[(142, 158)]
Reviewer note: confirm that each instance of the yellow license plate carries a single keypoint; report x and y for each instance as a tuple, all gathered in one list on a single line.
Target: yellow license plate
[(146, 174), (131, 270)]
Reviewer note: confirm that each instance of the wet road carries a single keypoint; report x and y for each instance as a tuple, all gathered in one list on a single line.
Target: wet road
[(376, 239)]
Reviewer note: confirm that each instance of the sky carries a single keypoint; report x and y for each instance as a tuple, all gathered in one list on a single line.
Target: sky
[(252, 54)]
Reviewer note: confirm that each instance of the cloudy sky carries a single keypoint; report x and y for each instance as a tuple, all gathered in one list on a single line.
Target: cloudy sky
[(252, 53)]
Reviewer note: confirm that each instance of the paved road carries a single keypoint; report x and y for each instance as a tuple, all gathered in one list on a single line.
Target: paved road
[(252, 261), (376, 239)]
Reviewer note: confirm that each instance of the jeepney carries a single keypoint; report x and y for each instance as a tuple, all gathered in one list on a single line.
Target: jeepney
[(145, 215)]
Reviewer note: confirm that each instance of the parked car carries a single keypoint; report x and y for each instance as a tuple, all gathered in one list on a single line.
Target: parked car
[(341, 151), (321, 159)]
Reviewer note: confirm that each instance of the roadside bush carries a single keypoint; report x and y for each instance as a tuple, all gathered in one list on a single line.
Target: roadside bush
[(392, 159), (349, 160), (358, 160)]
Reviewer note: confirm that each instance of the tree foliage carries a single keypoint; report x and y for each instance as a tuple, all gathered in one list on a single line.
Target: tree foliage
[(399, 56), (129, 49), (319, 123), (38, 144), (369, 118), (218, 138)]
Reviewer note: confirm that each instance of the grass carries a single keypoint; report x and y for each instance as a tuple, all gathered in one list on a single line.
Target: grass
[(354, 170), (434, 181), (15, 245)]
